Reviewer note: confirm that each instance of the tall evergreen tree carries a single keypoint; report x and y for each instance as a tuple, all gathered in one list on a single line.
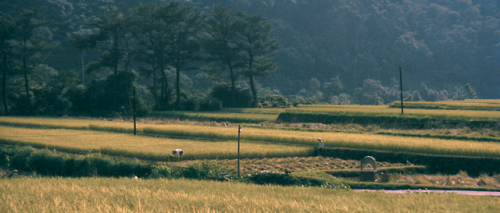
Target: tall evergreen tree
[(257, 45), (107, 38), (184, 41), (7, 33), (30, 45), (221, 44)]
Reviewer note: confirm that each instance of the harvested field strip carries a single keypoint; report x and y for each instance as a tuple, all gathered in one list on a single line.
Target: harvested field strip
[(142, 147), (384, 110), (219, 117), (163, 195)]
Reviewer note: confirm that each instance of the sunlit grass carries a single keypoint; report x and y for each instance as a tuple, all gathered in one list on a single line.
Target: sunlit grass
[(331, 139), (469, 104), (137, 195), (142, 146), (231, 116)]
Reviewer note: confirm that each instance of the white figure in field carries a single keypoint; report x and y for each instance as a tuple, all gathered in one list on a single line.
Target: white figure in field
[(178, 151), (321, 145)]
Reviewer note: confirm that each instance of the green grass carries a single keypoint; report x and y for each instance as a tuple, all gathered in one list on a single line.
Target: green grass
[(138, 195)]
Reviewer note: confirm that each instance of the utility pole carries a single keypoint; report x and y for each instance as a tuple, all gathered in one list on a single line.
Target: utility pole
[(135, 131), (83, 71), (401, 88), (239, 131)]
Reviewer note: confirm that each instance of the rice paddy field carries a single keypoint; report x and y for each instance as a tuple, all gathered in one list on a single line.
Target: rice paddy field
[(384, 110), (143, 147), (469, 104), (221, 133), (181, 195)]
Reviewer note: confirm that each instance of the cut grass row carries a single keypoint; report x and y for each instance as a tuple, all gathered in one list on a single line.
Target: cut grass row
[(138, 195), (143, 147)]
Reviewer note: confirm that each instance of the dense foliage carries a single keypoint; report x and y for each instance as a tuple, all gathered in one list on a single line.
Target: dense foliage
[(340, 52)]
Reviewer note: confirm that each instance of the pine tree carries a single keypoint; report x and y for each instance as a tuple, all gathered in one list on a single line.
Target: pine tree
[(7, 33), (257, 46), (221, 44), (30, 45)]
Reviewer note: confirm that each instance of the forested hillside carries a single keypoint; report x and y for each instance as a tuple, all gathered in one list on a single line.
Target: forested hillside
[(329, 51)]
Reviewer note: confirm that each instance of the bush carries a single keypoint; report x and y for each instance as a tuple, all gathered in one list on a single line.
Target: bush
[(243, 98), (273, 101), (283, 179), (210, 105)]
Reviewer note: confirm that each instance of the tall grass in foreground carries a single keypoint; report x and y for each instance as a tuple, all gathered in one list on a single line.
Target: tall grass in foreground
[(137, 195), (143, 147)]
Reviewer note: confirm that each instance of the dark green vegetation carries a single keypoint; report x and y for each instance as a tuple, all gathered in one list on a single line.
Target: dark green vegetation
[(387, 121), (201, 55)]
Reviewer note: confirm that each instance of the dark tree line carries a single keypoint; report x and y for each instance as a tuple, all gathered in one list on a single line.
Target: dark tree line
[(157, 39)]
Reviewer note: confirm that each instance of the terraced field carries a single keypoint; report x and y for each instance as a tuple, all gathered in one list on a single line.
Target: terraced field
[(142, 147)]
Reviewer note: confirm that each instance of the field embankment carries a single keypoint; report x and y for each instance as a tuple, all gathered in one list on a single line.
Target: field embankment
[(468, 104)]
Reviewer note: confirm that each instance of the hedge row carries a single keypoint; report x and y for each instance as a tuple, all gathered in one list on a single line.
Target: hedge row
[(383, 120), (434, 163), (44, 162)]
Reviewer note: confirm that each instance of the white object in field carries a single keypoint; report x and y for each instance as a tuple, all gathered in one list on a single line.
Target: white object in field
[(321, 145), (178, 151)]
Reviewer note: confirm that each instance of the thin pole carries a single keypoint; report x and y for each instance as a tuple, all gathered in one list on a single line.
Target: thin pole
[(135, 130), (83, 72), (239, 131), (401, 88)]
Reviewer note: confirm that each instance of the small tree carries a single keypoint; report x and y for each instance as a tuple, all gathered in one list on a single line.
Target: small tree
[(471, 94)]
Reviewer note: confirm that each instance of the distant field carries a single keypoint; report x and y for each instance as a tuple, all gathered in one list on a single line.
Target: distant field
[(384, 110), (469, 104), (142, 146), (331, 139), (131, 195), (234, 116)]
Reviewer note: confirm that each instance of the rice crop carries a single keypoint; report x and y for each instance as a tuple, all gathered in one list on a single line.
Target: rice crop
[(332, 139), (470, 104), (384, 110), (219, 116), (181, 195), (142, 147)]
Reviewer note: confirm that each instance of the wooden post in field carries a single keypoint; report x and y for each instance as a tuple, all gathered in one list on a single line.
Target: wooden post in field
[(135, 130), (239, 131), (401, 88)]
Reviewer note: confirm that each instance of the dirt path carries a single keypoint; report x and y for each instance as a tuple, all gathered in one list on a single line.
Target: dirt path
[(463, 192)]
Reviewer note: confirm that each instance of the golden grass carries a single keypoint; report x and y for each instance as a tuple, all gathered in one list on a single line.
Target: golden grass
[(135, 145), (331, 139), (137, 195), (384, 110)]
